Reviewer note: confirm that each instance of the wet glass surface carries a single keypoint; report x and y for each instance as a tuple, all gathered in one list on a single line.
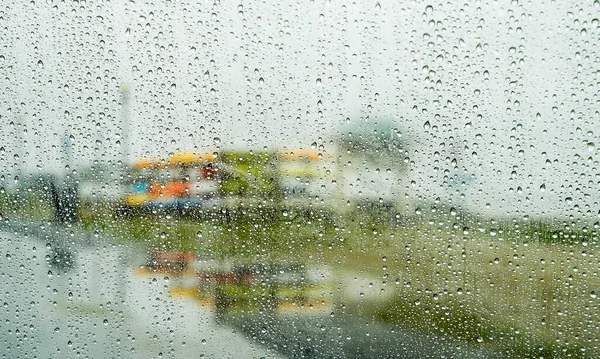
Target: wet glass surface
[(329, 179)]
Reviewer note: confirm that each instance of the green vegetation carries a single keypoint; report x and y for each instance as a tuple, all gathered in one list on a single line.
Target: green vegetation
[(551, 231), (249, 174), (525, 297), (255, 232), (25, 204)]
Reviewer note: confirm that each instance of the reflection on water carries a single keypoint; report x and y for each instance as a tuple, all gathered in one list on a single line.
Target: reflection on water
[(62, 300), (61, 259), (65, 299), (299, 310), (230, 288)]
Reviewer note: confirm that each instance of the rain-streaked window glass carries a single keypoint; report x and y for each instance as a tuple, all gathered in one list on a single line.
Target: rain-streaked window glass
[(289, 179)]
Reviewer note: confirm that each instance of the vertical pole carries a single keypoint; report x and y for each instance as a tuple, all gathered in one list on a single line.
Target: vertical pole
[(125, 99)]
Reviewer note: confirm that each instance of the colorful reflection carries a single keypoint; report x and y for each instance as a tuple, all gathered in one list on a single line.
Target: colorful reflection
[(281, 289)]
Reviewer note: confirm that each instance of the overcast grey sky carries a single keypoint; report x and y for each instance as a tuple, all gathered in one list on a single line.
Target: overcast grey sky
[(510, 89)]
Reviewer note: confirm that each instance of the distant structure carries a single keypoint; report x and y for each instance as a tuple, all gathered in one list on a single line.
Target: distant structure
[(125, 103)]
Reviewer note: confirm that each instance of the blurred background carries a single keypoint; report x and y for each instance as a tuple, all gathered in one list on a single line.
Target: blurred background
[(331, 179)]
